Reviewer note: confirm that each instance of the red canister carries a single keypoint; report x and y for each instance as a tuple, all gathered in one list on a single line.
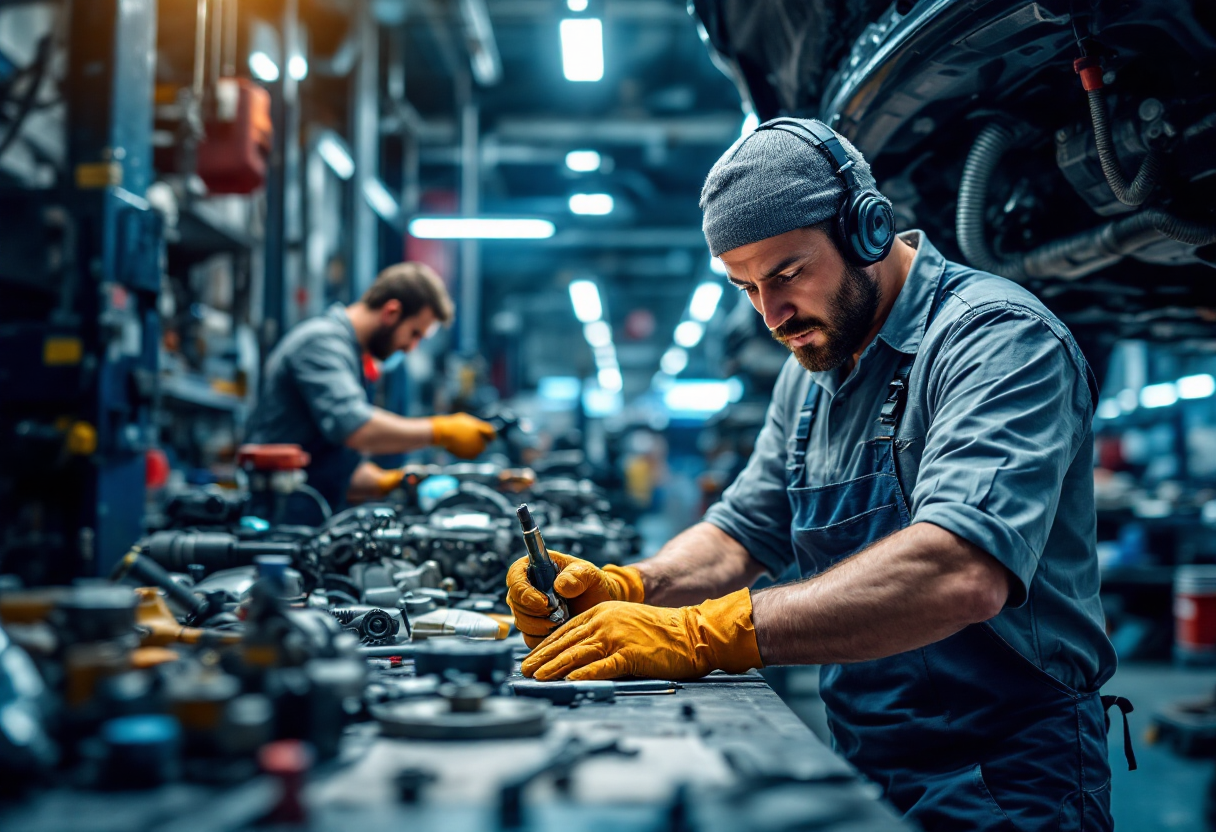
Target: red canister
[(1195, 613)]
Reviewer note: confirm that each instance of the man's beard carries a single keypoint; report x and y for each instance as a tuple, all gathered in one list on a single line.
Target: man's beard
[(381, 343), (847, 324)]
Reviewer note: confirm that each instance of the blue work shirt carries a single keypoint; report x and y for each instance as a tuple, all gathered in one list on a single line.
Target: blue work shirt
[(995, 445), (314, 395)]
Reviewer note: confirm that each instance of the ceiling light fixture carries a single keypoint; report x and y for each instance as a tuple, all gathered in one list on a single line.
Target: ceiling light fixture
[(480, 228), (585, 297), (583, 161), (705, 301), (688, 334), (594, 205), (263, 68), (582, 48)]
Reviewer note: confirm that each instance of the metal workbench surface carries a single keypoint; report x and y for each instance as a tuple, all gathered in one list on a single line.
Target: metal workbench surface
[(723, 753)]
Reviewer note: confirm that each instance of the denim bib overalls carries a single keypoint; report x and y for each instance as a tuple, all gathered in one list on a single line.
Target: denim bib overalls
[(966, 733)]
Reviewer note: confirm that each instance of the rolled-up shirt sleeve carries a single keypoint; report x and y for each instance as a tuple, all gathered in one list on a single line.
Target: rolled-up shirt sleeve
[(1010, 404), (330, 384), (755, 509)]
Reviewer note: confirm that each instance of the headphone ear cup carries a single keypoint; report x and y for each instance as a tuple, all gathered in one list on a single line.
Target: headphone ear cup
[(867, 227)]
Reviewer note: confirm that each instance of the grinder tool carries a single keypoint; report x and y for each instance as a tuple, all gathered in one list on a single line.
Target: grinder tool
[(542, 571)]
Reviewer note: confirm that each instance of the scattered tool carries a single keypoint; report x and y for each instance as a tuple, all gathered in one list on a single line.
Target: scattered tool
[(572, 693), (541, 569)]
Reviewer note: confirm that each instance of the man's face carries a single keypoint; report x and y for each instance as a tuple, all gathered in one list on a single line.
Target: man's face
[(820, 306), (396, 335)]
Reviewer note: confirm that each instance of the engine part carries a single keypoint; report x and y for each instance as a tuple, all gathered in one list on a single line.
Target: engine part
[(96, 612), (236, 583), (1071, 257), (457, 623), (141, 752), (488, 662), (541, 569), (158, 627), (463, 712), (1129, 193), (288, 761), (372, 624), (176, 550), (148, 572), (25, 747)]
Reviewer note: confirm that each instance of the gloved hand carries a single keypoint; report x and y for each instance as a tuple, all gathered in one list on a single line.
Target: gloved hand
[(582, 584), (462, 434), (387, 480), (620, 639)]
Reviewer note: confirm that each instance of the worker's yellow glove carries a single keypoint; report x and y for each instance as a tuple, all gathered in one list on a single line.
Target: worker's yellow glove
[(620, 639), (582, 584), (462, 434), (386, 481)]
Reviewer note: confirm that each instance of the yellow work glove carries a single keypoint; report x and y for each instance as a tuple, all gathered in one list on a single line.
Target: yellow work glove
[(582, 584), (619, 639), (386, 481), (462, 434)]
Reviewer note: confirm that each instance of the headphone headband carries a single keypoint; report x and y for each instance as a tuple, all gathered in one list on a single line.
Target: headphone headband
[(817, 134), (865, 223)]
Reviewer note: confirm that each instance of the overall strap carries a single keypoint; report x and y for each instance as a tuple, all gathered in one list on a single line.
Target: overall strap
[(806, 417), (1125, 708), (897, 388), (897, 399)]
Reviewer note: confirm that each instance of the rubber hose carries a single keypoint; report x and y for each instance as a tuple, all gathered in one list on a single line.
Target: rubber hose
[(970, 220), (1137, 191)]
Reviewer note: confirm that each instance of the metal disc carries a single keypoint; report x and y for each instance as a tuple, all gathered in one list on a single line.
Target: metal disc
[(500, 717)]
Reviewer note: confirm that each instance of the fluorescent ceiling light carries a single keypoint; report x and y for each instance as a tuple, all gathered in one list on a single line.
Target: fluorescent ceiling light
[(610, 379), (750, 122), (717, 266), (604, 356), (596, 205), (673, 361), (1196, 387), (335, 154), (734, 388), (688, 334), (559, 388), (576, 5), (598, 402), (1159, 395), (1127, 400), (381, 200), (480, 228), (583, 161), (585, 296), (297, 67), (263, 68), (705, 301), (598, 334), (582, 48), (697, 396)]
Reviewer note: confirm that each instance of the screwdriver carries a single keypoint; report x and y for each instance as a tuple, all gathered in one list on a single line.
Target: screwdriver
[(541, 569)]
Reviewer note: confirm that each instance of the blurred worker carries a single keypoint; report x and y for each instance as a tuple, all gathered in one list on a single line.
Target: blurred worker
[(314, 392), (927, 463)]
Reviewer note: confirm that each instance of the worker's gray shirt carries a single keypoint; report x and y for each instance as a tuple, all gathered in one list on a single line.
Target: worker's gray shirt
[(995, 445), (313, 395)]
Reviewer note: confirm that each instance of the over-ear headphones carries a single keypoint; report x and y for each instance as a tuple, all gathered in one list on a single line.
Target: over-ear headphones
[(865, 223)]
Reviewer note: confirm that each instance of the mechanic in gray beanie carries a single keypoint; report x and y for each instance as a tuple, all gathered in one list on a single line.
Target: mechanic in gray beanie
[(770, 182)]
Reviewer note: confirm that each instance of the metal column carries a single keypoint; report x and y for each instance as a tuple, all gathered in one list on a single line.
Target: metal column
[(469, 311), (283, 191), (365, 132), (112, 53)]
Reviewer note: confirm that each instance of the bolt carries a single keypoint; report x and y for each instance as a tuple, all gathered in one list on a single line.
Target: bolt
[(1061, 135), (1151, 109)]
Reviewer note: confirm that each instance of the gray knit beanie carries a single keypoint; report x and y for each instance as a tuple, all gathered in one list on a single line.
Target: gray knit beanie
[(770, 182)]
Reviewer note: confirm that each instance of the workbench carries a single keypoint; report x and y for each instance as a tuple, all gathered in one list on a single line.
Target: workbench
[(723, 753)]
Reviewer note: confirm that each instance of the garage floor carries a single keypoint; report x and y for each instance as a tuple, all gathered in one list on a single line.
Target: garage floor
[(1166, 792)]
